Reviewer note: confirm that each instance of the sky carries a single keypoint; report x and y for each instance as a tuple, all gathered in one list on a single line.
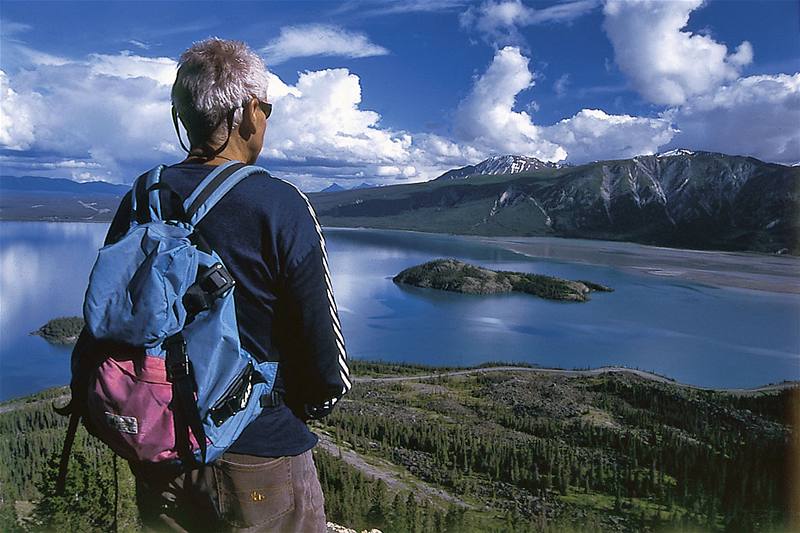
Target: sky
[(399, 92)]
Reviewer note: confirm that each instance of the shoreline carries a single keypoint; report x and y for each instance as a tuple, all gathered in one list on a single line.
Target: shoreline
[(724, 269), (756, 271), (737, 270)]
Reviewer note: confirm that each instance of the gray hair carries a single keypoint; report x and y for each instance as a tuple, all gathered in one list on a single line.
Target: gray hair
[(214, 77)]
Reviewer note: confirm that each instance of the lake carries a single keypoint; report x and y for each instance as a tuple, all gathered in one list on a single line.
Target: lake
[(694, 333)]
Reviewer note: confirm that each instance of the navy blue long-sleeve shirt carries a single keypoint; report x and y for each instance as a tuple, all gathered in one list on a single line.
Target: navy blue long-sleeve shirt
[(267, 235)]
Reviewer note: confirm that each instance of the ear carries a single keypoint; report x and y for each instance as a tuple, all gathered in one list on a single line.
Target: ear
[(249, 116)]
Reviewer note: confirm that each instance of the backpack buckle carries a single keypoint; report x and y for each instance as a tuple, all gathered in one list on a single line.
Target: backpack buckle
[(211, 283), (177, 362), (216, 280)]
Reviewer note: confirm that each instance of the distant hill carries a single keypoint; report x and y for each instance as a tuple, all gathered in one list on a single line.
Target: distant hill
[(58, 199), (56, 185), (335, 187), (681, 198)]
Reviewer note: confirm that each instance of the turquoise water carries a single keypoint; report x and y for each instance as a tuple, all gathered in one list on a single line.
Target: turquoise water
[(693, 333)]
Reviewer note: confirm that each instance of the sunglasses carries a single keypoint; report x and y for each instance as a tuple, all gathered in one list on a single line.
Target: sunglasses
[(266, 107)]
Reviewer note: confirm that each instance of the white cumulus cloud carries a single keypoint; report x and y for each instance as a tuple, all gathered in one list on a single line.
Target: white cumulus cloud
[(486, 120), (113, 122), (592, 134), (111, 109), (17, 116), (666, 64), (486, 117), (319, 39), (757, 116), (127, 65), (320, 117), (113, 116)]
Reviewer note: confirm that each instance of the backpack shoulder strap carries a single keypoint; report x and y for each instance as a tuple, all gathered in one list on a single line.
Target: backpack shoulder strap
[(210, 177), (145, 201), (211, 191)]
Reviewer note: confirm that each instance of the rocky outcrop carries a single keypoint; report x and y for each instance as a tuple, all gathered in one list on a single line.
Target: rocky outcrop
[(457, 276)]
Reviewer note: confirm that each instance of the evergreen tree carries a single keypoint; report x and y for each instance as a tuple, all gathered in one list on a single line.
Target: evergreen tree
[(411, 513), (399, 518), (88, 500)]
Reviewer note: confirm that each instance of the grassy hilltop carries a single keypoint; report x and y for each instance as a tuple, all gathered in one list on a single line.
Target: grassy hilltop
[(485, 449)]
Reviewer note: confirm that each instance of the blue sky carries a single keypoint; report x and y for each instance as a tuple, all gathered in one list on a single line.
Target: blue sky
[(394, 92)]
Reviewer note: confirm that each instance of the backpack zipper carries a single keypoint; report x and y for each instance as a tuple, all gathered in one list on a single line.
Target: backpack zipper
[(241, 387)]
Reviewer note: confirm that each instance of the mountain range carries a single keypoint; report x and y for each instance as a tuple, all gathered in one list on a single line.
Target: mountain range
[(335, 187), (58, 199), (680, 198), (502, 164), (59, 185)]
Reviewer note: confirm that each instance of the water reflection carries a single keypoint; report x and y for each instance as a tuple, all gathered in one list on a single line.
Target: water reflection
[(44, 268), (691, 332)]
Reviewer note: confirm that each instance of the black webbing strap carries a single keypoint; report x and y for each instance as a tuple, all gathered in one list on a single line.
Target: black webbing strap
[(172, 208), (210, 188), (179, 372), (72, 429), (271, 399), (142, 201)]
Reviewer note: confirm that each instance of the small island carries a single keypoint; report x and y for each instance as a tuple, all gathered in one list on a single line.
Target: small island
[(62, 330), (457, 276)]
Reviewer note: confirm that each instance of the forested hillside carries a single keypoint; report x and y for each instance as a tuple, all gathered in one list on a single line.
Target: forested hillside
[(489, 450)]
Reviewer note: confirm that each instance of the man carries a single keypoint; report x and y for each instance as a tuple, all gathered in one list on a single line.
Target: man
[(267, 234)]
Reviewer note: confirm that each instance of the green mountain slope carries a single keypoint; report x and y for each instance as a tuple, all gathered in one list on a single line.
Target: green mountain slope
[(688, 199), (504, 449)]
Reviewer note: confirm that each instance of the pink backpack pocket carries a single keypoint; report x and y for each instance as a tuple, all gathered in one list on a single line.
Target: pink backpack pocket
[(129, 407)]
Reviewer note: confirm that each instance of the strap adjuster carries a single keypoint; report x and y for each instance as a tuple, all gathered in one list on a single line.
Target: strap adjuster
[(178, 364), (216, 280), (212, 283)]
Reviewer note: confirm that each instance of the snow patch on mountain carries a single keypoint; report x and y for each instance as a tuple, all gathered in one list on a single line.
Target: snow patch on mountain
[(677, 151), (501, 164)]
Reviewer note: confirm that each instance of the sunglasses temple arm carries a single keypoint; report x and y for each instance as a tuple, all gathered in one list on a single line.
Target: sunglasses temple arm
[(177, 129)]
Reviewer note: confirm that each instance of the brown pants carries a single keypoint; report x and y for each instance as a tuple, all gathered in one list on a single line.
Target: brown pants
[(235, 493)]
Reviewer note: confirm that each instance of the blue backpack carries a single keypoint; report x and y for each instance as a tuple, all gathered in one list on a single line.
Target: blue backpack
[(177, 387)]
